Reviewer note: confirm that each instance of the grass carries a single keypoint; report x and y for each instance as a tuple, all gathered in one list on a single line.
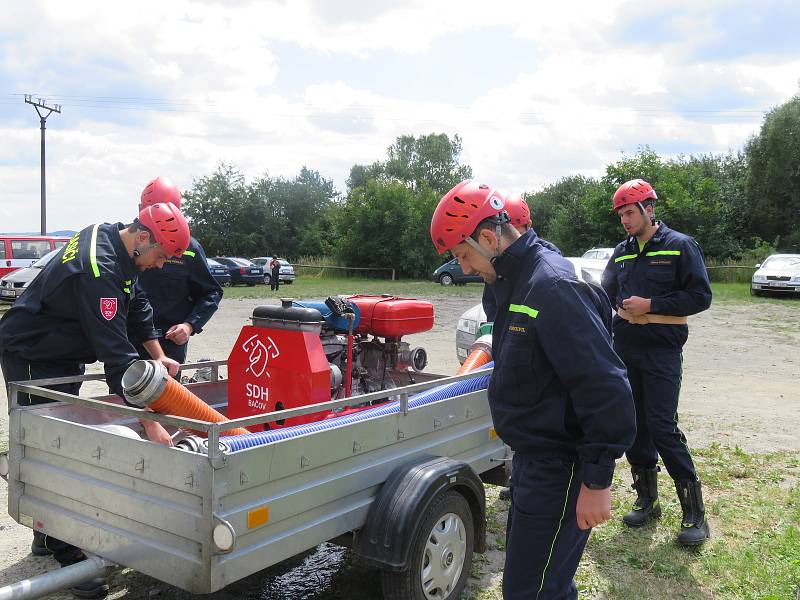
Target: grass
[(312, 287), (753, 505)]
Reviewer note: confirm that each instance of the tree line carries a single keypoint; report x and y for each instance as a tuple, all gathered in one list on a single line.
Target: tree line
[(738, 205)]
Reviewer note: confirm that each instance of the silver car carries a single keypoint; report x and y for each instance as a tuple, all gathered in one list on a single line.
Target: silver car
[(780, 273), (471, 320), (287, 274), (14, 284)]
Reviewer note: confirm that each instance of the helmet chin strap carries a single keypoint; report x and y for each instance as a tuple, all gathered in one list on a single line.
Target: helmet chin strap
[(482, 251)]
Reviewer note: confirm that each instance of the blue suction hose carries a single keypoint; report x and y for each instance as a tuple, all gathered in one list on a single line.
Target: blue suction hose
[(234, 443)]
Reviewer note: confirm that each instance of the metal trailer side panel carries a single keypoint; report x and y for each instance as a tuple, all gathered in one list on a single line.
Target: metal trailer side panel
[(133, 502), (319, 486)]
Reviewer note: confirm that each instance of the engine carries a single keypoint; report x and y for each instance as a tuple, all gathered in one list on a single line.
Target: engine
[(308, 352)]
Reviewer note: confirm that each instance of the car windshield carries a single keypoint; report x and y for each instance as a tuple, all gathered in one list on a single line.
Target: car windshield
[(243, 261), (213, 263), (781, 262), (42, 262)]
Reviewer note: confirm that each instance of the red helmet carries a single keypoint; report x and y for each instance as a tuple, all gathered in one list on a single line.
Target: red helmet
[(518, 211), (460, 210), (633, 192), (160, 190), (169, 227)]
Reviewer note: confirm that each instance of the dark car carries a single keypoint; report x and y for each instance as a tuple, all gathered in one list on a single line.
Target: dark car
[(450, 273), (219, 272), (241, 270)]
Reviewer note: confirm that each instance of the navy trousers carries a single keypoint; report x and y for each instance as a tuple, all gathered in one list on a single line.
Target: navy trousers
[(543, 542), (16, 368), (655, 379)]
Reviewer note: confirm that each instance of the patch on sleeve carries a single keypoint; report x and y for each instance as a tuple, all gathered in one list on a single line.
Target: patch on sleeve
[(108, 308)]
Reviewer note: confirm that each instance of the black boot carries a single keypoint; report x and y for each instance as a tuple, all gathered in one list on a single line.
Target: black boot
[(646, 507), (694, 527), (39, 545), (94, 588)]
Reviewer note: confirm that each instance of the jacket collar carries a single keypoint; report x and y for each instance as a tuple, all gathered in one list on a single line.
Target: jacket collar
[(508, 264), (124, 260)]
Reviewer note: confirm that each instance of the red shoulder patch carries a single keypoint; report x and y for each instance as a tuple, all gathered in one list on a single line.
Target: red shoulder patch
[(108, 308)]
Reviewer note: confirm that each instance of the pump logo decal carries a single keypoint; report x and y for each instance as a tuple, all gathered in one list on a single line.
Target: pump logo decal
[(259, 354), (108, 308)]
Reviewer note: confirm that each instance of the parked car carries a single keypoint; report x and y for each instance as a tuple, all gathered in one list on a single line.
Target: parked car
[(450, 273), (219, 272), (780, 273), (241, 270), (15, 283), (599, 253), (472, 319), (287, 274)]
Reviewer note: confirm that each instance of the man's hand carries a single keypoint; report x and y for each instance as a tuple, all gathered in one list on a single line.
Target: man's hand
[(156, 433), (172, 366), (594, 507), (636, 305), (179, 334)]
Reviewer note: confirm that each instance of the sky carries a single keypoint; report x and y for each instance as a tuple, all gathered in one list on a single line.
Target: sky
[(537, 91)]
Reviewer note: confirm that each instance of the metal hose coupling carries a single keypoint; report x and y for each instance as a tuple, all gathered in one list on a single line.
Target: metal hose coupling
[(144, 382)]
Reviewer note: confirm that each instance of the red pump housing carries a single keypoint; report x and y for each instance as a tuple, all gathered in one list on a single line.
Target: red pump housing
[(392, 317)]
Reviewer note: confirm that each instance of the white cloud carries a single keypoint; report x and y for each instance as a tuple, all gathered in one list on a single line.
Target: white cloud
[(212, 73)]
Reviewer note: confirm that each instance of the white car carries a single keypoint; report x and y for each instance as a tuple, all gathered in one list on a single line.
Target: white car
[(598, 254), (14, 284), (780, 273), (471, 320)]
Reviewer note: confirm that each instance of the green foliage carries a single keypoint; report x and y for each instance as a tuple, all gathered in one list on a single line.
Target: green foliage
[(773, 177), (266, 216)]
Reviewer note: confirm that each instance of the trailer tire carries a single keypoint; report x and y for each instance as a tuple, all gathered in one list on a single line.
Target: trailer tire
[(441, 554)]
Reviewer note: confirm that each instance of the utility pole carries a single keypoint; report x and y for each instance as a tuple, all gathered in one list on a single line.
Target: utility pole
[(41, 104)]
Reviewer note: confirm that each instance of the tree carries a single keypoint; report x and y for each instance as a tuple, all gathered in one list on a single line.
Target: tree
[(773, 177)]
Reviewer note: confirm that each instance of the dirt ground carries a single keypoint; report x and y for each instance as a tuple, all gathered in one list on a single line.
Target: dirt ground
[(741, 369)]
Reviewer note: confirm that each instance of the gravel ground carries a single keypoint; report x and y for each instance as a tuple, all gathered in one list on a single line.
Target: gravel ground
[(740, 388)]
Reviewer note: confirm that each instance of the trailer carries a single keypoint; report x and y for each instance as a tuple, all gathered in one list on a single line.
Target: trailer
[(402, 485)]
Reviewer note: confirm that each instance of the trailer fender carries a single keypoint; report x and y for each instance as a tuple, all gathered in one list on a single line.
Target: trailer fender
[(395, 514)]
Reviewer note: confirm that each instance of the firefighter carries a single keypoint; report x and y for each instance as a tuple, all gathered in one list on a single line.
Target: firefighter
[(655, 279), (520, 217), (184, 295), (558, 393), (78, 310)]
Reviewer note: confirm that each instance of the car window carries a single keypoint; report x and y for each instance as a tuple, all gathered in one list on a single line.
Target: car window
[(781, 262), (29, 248), (42, 262), (212, 263), (2, 249)]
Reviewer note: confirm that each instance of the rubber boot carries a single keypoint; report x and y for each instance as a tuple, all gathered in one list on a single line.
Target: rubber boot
[(646, 507), (94, 588), (39, 545), (694, 527)]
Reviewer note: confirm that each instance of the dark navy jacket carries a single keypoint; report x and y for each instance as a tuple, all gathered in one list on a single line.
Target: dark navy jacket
[(183, 291), (488, 300), (81, 306), (558, 387), (670, 271)]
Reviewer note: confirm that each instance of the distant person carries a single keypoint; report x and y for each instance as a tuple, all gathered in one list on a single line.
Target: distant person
[(656, 278), (275, 273), (79, 310), (558, 393), (184, 295)]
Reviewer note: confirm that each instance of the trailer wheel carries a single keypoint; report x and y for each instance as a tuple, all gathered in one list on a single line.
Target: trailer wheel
[(441, 554)]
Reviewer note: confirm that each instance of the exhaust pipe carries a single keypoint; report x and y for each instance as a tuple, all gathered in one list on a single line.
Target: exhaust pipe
[(53, 581)]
